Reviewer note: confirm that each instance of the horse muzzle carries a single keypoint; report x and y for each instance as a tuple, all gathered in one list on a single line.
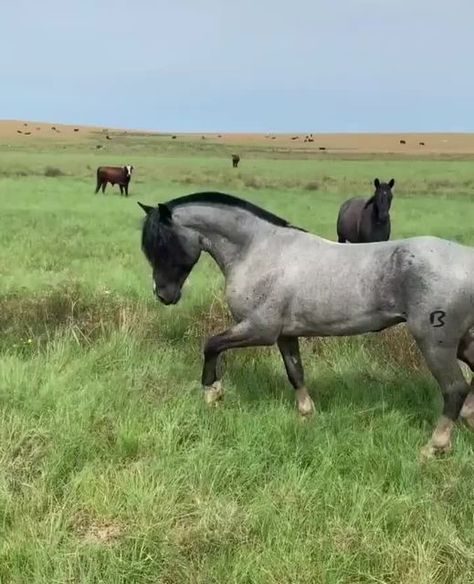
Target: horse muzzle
[(168, 297)]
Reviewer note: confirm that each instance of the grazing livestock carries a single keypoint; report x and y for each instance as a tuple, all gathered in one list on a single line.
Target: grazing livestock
[(173, 137), (108, 137), (403, 141), (283, 283), (421, 143), (364, 221), (76, 129), (322, 148), (235, 160), (115, 175), (19, 132)]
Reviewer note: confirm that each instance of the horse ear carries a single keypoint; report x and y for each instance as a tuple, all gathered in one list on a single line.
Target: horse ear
[(165, 213), (370, 201), (391, 183), (146, 208), (376, 183)]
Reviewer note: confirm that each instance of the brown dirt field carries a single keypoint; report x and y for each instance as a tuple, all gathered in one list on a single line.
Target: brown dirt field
[(433, 143), (9, 129)]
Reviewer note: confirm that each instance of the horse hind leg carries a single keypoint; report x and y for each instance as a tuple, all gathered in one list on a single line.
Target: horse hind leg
[(466, 355), (440, 350), (290, 352)]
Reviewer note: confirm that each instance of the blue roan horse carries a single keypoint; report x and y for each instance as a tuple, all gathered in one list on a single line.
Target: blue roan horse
[(283, 283)]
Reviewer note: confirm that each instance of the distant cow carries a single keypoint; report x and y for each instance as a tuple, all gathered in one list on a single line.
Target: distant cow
[(76, 129), (421, 143), (115, 175), (403, 141), (362, 221), (235, 160)]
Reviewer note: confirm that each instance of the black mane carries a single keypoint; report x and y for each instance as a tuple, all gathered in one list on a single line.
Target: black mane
[(231, 201), (160, 242)]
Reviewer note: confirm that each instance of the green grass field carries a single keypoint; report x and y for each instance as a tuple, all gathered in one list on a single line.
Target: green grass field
[(111, 467)]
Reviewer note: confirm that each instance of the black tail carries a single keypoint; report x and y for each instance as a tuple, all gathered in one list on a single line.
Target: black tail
[(98, 183)]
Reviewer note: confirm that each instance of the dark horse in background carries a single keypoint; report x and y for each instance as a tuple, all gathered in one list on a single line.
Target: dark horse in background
[(115, 175), (282, 283), (235, 160), (365, 221)]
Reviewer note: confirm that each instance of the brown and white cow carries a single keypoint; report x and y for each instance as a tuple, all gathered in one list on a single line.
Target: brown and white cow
[(119, 175)]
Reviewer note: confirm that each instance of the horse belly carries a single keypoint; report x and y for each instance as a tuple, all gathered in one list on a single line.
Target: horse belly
[(317, 325), (330, 309)]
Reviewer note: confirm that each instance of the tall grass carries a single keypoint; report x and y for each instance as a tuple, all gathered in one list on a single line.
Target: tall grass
[(112, 469)]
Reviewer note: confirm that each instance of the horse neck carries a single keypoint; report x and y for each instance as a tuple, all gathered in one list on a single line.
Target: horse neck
[(225, 233), (375, 212)]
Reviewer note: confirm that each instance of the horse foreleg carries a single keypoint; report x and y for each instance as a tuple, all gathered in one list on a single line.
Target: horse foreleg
[(290, 352), (244, 334)]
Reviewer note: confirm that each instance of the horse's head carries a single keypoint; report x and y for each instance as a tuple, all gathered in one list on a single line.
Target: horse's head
[(382, 199), (171, 249)]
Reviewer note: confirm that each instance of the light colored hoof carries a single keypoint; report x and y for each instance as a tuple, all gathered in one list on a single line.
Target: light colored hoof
[(213, 393), (430, 450), (469, 423), (305, 403)]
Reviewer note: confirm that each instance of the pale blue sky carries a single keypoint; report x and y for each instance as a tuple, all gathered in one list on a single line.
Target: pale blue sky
[(240, 65)]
